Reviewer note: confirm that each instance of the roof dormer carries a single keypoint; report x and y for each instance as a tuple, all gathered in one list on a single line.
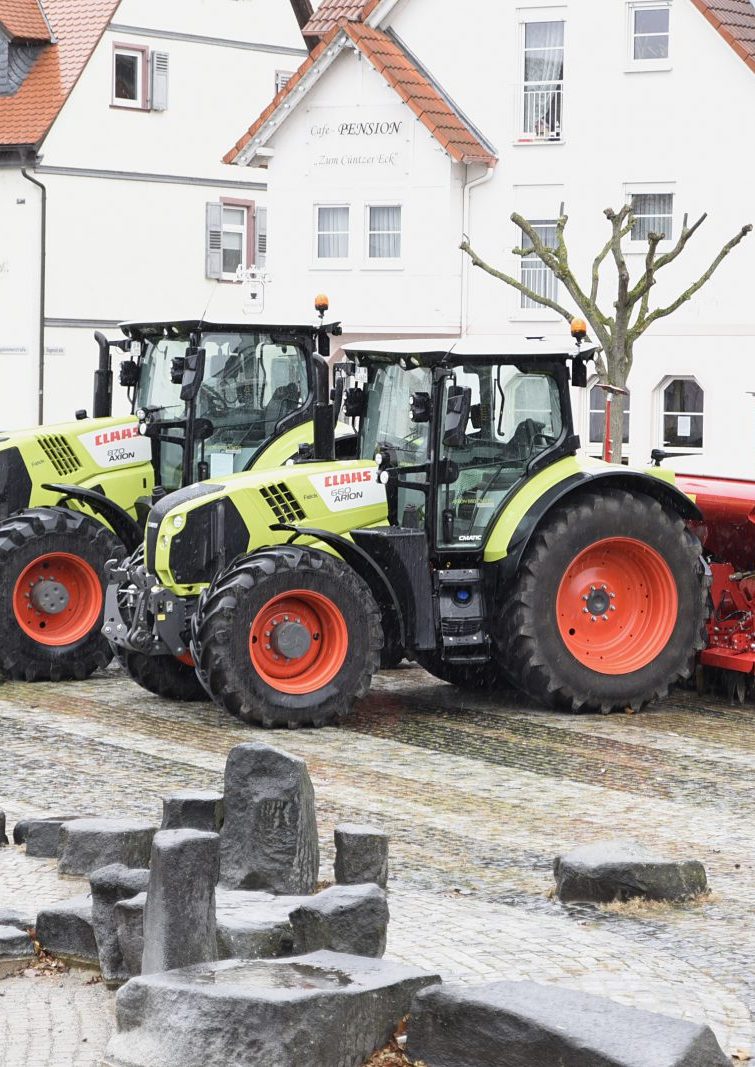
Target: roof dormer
[(24, 33)]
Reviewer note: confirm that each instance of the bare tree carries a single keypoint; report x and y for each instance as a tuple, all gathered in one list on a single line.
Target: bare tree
[(632, 316)]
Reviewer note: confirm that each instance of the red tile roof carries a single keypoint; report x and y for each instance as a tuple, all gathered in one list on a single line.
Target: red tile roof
[(77, 25), (23, 18), (735, 21), (330, 13), (413, 86)]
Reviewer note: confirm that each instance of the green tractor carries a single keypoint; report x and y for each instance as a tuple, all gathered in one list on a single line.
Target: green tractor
[(206, 400), (469, 535)]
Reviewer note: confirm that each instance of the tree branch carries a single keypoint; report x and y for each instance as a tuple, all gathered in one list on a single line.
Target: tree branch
[(514, 282), (687, 232), (660, 313)]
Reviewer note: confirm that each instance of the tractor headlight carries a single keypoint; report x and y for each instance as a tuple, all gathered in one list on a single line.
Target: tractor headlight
[(178, 521)]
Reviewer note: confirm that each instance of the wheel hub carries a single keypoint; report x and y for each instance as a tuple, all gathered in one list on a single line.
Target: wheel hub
[(598, 601), (290, 638), (50, 596)]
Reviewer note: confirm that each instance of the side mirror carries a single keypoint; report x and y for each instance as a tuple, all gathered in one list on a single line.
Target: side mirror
[(420, 407), (129, 373), (354, 403), (579, 374), (193, 374), (458, 410)]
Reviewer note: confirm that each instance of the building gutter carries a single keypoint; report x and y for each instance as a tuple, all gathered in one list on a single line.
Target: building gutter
[(466, 263), (42, 290)]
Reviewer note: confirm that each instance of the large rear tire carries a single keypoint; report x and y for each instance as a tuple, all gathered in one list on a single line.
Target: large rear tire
[(306, 603), (609, 605), (52, 596)]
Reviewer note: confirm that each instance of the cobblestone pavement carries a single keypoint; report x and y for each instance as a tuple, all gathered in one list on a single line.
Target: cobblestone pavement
[(479, 796)]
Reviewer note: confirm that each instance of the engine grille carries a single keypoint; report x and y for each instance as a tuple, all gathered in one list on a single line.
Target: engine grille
[(282, 502), (60, 453), (460, 627)]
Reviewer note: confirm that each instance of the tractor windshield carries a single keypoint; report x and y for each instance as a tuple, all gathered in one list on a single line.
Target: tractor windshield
[(514, 416), (250, 384)]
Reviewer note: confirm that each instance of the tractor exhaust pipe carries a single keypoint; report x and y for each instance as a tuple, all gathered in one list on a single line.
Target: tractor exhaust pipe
[(102, 404)]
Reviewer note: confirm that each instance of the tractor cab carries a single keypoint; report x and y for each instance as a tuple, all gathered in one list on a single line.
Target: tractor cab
[(458, 428)]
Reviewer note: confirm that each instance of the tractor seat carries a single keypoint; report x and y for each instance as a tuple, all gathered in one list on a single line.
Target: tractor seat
[(522, 442), (283, 402)]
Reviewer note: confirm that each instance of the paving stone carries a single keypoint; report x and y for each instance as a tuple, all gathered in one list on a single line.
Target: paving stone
[(193, 809), (252, 925), (621, 870), (179, 916), (531, 1025), (109, 885), (269, 838), (319, 1010), (65, 929), (361, 855), (14, 943), (3, 836), (86, 844), (343, 918), (129, 925)]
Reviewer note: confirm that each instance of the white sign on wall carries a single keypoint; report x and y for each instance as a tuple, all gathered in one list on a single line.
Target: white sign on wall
[(350, 140)]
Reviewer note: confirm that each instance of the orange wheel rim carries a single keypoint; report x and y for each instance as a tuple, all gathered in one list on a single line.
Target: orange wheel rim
[(617, 606), (298, 641), (57, 599)]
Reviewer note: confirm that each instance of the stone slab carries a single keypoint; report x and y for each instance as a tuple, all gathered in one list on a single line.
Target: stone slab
[(86, 844), (531, 1025), (65, 929), (193, 809), (269, 838), (128, 916), (109, 885), (344, 918), (15, 944), (22, 920), (319, 1010), (254, 925), (41, 835), (605, 871), (361, 855)]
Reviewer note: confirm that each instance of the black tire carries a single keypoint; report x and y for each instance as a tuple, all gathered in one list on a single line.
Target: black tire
[(221, 633), (530, 643), (478, 677), (24, 538)]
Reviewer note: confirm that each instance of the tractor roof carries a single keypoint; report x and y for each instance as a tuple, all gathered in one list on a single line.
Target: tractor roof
[(429, 351), (181, 328)]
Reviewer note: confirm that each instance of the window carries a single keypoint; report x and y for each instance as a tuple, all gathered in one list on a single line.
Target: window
[(384, 231), (597, 418), (649, 36), (282, 78), (332, 232), (534, 273), (235, 236), (653, 213), (234, 239), (543, 90), (682, 414), (129, 87)]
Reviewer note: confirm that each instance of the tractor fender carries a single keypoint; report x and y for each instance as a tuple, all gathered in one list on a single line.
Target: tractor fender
[(364, 565), (633, 481), (126, 528)]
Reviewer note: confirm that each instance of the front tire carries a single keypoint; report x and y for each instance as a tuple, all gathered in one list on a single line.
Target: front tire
[(287, 637), (52, 563), (608, 607)]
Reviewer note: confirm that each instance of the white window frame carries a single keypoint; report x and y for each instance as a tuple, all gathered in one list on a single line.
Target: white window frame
[(382, 262), (595, 448), (539, 311), (633, 65), (631, 189), (331, 262), (230, 276), (142, 96), (532, 15), (661, 412)]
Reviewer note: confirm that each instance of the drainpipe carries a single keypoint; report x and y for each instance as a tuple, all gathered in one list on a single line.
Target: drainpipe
[(466, 263), (42, 277)]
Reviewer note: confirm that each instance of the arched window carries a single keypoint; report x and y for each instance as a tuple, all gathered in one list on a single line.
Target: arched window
[(597, 417), (681, 413)]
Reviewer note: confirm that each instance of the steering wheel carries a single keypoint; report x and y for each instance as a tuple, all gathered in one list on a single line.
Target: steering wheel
[(214, 400)]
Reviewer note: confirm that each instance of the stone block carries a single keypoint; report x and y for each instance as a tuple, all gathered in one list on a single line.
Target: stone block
[(109, 885), (321, 1010), (129, 925), (179, 916), (361, 855), (193, 809), (620, 870), (86, 844), (254, 925), (533, 1025), (3, 835), (22, 920), (41, 835), (269, 837), (65, 929), (15, 944), (345, 918)]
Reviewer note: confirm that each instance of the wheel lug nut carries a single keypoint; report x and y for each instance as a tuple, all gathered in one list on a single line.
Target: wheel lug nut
[(612, 596), (612, 607), (585, 611), (593, 619), (584, 596), (268, 647), (267, 633), (605, 618)]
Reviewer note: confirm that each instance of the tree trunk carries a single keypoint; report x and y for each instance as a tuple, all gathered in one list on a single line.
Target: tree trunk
[(617, 425), (618, 362)]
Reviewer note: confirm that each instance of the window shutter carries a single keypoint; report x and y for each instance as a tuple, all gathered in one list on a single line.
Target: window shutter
[(159, 81), (260, 252), (214, 241)]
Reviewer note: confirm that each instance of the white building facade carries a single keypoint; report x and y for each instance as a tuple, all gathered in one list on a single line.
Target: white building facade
[(143, 220), (419, 121)]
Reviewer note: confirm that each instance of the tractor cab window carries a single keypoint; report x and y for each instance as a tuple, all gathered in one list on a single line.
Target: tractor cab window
[(250, 385), (514, 416)]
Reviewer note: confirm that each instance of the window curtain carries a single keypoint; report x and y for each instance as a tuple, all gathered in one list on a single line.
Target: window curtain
[(543, 78), (333, 233), (385, 232)]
